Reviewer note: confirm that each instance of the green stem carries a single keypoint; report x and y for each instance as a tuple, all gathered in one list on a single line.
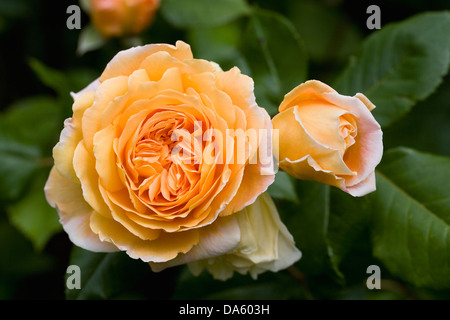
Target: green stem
[(301, 278)]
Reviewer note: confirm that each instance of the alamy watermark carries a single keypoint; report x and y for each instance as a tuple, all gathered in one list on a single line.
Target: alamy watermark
[(374, 20), (374, 280), (73, 281), (234, 146), (74, 19)]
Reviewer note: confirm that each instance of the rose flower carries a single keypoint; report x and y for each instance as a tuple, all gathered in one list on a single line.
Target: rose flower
[(148, 165), (328, 137)]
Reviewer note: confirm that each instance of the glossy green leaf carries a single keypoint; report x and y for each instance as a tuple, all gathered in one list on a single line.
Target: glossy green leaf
[(400, 64), (275, 55), (25, 117), (410, 220), (52, 78), (327, 32), (308, 222), (18, 163), (202, 13), (33, 216), (219, 44)]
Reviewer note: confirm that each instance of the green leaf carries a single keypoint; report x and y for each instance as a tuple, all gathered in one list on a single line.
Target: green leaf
[(18, 163), (90, 39), (202, 13), (327, 32), (33, 216), (219, 44), (308, 223), (25, 117), (275, 55), (283, 187), (52, 78), (349, 235), (410, 220), (348, 223), (113, 276), (400, 65)]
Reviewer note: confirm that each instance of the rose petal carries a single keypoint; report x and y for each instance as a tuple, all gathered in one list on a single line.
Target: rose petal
[(127, 61), (92, 87), (367, 151), (364, 187), (65, 195), (166, 247), (216, 239), (265, 244), (310, 90), (70, 136)]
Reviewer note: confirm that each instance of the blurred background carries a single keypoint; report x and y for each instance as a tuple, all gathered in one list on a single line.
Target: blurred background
[(41, 62)]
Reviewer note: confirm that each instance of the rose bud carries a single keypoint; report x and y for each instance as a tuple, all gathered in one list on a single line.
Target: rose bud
[(328, 137), (116, 18)]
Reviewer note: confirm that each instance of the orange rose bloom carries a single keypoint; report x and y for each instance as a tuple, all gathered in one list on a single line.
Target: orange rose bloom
[(142, 167), (115, 18), (329, 137)]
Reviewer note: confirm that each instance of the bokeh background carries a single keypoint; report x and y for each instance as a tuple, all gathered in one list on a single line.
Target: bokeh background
[(39, 66)]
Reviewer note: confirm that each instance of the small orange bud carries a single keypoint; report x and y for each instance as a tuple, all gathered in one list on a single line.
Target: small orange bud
[(115, 18)]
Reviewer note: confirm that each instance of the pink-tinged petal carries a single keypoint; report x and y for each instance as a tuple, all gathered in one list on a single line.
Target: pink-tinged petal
[(216, 239), (90, 88), (366, 153), (66, 196), (364, 187), (127, 61)]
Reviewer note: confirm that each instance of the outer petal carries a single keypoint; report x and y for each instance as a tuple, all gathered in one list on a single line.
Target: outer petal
[(66, 196), (166, 247), (216, 239), (265, 244), (64, 150), (364, 187), (309, 90), (127, 61), (307, 168), (367, 152), (90, 88)]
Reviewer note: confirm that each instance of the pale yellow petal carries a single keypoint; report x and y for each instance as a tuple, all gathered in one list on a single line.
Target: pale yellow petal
[(265, 244)]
